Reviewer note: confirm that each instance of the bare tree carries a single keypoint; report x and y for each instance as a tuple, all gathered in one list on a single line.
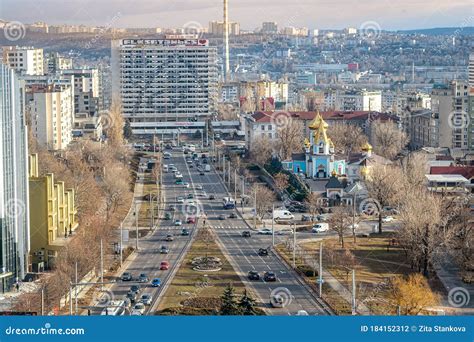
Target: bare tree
[(347, 138), (388, 139), (261, 150), (264, 199), (281, 181), (415, 167), (115, 124), (385, 186), (340, 222), (290, 138), (314, 204)]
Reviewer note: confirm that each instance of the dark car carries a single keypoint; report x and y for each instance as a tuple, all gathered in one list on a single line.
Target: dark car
[(263, 252), (164, 250), (233, 215), (135, 288), (132, 296), (127, 276), (167, 216), (185, 232), (269, 276), (211, 197), (143, 278), (169, 237), (253, 275), (246, 234), (222, 217), (201, 173)]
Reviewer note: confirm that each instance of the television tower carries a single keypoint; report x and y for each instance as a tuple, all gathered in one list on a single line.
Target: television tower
[(226, 42)]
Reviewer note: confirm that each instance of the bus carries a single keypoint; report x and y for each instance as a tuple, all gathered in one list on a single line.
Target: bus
[(228, 203)]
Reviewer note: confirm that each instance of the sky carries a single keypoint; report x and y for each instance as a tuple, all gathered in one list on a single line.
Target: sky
[(321, 14)]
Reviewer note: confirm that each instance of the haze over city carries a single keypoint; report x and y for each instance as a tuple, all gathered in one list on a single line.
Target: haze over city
[(391, 15)]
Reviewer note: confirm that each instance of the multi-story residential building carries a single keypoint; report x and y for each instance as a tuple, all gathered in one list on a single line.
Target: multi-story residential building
[(423, 129), (52, 115), (471, 70), (216, 28), (25, 60), (270, 27), (54, 62), (359, 101), (86, 91), (165, 85), (450, 104), (14, 208), (229, 92), (52, 215)]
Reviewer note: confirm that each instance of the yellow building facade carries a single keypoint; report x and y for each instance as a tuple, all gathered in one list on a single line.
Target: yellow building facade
[(53, 215)]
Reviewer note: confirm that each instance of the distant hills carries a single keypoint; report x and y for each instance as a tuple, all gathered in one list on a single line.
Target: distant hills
[(449, 31)]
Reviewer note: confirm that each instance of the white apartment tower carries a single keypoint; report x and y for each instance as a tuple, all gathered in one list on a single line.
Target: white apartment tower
[(159, 81), (25, 60)]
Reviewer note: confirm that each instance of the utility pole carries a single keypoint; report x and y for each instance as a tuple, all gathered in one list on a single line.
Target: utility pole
[(223, 168), (151, 210), (136, 227), (70, 298), (75, 288), (273, 225), (354, 309), (101, 264), (294, 245), (235, 185), (42, 300), (255, 211), (228, 176), (321, 270)]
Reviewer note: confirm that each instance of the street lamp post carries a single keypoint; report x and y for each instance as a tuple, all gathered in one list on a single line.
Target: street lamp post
[(136, 226), (321, 270), (273, 225), (121, 244), (294, 244)]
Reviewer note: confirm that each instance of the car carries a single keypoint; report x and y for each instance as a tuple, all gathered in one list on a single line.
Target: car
[(131, 296), (222, 217), (179, 182), (387, 219), (246, 234), (277, 301), (233, 215), (354, 226), (172, 208), (186, 184), (265, 231), (320, 228), (191, 219), (138, 309), (253, 275), (146, 298), (211, 197), (180, 199), (164, 250), (198, 187), (201, 173), (190, 196), (287, 231), (164, 265), (269, 276), (127, 276), (178, 222), (262, 251), (302, 313), (306, 218), (156, 282), (167, 216), (184, 232), (143, 278), (189, 161), (135, 288), (169, 237)]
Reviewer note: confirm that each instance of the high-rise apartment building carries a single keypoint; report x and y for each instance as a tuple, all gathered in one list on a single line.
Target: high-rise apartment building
[(471, 71), (165, 84), (216, 28), (25, 60), (14, 209), (86, 91), (269, 27)]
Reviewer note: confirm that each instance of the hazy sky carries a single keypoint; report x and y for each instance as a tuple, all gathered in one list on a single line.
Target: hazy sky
[(394, 14)]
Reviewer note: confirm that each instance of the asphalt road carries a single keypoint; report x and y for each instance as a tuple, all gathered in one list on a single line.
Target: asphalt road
[(243, 251)]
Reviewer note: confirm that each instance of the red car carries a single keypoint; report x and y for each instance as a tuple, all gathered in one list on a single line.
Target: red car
[(191, 220), (165, 265)]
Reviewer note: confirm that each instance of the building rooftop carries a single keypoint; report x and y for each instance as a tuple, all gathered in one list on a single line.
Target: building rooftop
[(441, 178)]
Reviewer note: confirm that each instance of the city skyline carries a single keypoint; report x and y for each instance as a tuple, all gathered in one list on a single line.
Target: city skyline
[(145, 13)]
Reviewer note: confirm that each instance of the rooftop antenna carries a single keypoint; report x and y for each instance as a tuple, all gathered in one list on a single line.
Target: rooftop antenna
[(226, 42)]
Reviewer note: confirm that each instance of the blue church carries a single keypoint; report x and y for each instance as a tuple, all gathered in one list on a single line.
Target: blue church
[(318, 160)]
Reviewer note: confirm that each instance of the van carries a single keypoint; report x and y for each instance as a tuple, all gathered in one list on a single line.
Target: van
[(282, 216), (207, 168), (320, 228)]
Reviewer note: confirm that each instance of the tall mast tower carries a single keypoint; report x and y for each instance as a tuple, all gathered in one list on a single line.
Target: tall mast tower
[(226, 42)]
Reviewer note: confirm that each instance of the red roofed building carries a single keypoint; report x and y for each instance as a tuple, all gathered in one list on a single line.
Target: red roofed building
[(465, 171)]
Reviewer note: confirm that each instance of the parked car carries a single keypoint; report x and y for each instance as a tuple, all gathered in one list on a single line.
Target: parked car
[(156, 282), (253, 275), (269, 276), (262, 251), (146, 298), (127, 276), (246, 234), (387, 219), (143, 278), (164, 265), (164, 250)]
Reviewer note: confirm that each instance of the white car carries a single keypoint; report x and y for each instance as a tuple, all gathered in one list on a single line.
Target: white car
[(138, 309), (186, 184), (387, 219), (302, 313), (198, 187), (320, 228), (146, 298), (354, 226), (265, 231), (180, 199)]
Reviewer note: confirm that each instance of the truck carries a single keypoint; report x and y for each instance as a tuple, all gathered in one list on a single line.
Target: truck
[(282, 215)]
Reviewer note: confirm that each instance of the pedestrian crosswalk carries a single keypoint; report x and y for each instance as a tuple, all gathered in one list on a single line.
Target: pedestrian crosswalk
[(223, 227)]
